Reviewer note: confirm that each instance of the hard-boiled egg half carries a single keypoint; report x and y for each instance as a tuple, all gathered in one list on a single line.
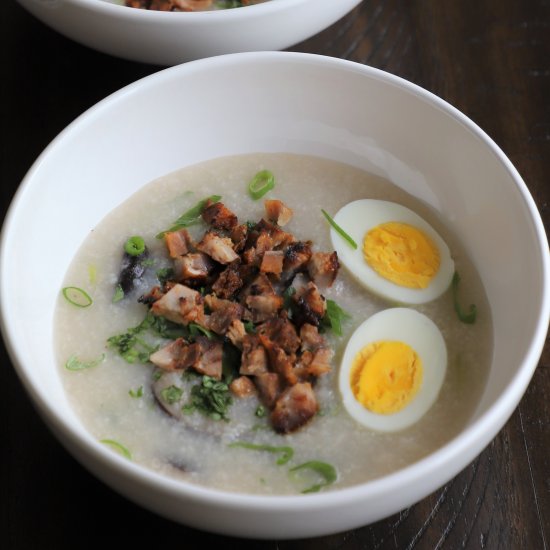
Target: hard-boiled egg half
[(392, 369), (399, 255)]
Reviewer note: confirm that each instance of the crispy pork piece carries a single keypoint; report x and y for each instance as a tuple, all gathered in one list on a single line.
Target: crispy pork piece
[(153, 295), (269, 387), (263, 307), (219, 216), (282, 332), (313, 364), (181, 305), (277, 212), (177, 355), (279, 361), (239, 235), (210, 357), (236, 333), (297, 256), (310, 338), (218, 248), (243, 387), (323, 268), (294, 408), (254, 356), (272, 262), (178, 242), (229, 281), (223, 313), (191, 5), (196, 265), (310, 305)]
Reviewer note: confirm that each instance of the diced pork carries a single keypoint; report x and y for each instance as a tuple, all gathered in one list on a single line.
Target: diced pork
[(219, 217), (210, 359), (272, 262), (294, 408), (177, 355), (181, 305), (193, 266), (323, 268), (223, 313), (242, 387), (178, 242), (236, 333), (254, 356), (277, 212), (269, 387), (218, 248)]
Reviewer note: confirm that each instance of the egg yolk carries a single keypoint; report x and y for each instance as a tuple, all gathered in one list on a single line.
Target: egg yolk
[(401, 253), (385, 376)]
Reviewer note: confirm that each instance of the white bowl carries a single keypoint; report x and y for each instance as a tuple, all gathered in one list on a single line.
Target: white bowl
[(380, 123), (167, 38)]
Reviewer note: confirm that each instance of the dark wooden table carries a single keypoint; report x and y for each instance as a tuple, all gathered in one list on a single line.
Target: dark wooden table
[(491, 60)]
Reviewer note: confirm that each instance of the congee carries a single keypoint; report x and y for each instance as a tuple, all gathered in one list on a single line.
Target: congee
[(273, 323)]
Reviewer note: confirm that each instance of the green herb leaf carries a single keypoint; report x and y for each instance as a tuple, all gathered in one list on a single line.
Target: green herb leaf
[(334, 316), (339, 230), (118, 447), (286, 452), (325, 470), (134, 246), (191, 217), (76, 296), (211, 398), (260, 184), (260, 411), (249, 327), (195, 329), (287, 298), (73, 363), (469, 317), (171, 394), (165, 274), (137, 393), (118, 295)]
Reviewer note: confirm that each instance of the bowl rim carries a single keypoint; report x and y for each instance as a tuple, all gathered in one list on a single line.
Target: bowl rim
[(466, 443), (266, 8)]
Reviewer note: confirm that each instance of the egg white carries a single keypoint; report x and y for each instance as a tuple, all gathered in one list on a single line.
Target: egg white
[(422, 335), (357, 218)]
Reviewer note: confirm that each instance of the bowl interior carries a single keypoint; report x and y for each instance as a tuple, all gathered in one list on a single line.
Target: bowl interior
[(286, 102)]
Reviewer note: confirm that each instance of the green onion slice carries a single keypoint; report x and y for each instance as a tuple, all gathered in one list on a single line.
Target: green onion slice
[(136, 393), (325, 470), (339, 230), (286, 452), (118, 295), (118, 447), (192, 216), (77, 296), (195, 329), (260, 184), (134, 246), (74, 363), (468, 317)]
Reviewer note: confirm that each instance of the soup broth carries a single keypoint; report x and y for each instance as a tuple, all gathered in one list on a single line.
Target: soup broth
[(114, 398)]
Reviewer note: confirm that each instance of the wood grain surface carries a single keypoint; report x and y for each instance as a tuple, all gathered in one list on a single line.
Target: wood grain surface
[(488, 58)]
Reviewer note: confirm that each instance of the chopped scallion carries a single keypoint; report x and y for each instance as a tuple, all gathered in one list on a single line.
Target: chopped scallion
[(134, 246), (77, 296), (260, 184), (195, 329), (339, 230), (118, 447), (468, 317), (325, 470), (136, 393), (119, 294), (286, 452), (191, 217), (74, 363)]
